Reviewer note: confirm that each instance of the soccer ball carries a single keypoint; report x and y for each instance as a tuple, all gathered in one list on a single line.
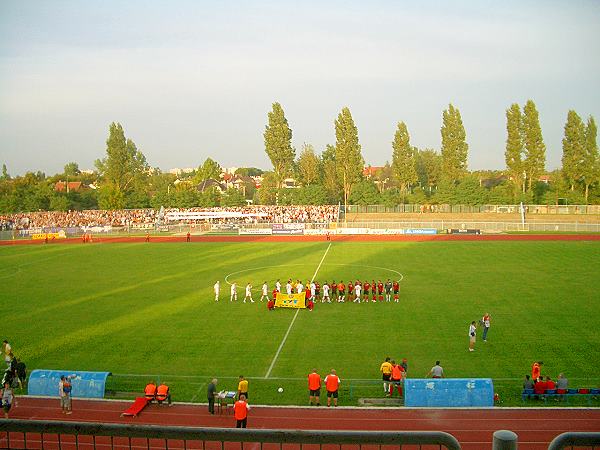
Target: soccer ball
[(280, 390)]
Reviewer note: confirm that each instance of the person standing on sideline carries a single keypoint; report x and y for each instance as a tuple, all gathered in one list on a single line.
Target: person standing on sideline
[(278, 285), (243, 387), (436, 371), (472, 334), (248, 293), (314, 387), (332, 384), (64, 391), (386, 374), (485, 321), (188, 237), (536, 370), (240, 412), (388, 290), (233, 295), (217, 288), (288, 288), (265, 292), (211, 392), (7, 399)]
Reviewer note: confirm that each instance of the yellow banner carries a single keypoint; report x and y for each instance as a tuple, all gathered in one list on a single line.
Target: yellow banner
[(290, 300), (41, 236)]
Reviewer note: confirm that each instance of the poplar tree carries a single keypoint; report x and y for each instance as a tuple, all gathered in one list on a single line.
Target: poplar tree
[(535, 150), (123, 168), (573, 149), (514, 146), (591, 160), (278, 144), (349, 160), (454, 145), (330, 179), (403, 158)]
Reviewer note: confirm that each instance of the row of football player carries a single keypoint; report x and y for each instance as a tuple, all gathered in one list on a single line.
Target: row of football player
[(335, 291)]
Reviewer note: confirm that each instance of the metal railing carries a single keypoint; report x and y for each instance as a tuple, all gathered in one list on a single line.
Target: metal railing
[(473, 209), (569, 440), (41, 434)]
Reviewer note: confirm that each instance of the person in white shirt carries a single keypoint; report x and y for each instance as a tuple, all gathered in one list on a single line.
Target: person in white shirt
[(248, 293), (313, 289), (288, 288), (217, 288), (472, 333), (233, 292), (299, 287), (278, 286), (265, 292), (357, 288), (326, 293)]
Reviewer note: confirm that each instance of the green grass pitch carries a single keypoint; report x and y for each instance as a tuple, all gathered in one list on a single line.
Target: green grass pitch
[(145, 311)]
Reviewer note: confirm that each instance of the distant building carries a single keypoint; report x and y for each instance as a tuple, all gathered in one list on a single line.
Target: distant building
[(179, 171), (71, 186), (371, 171), (211, 183)]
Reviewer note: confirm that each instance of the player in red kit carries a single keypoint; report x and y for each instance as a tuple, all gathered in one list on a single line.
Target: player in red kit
[(342, 292), (334, 292), (374, 290), (396, 287), (317, 291), (366, 287), (350, 290), (380, 290)]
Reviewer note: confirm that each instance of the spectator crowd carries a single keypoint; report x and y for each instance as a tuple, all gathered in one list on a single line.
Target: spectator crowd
[(132, 217)]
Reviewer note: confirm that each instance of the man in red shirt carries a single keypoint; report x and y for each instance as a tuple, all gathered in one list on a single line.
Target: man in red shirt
[(332, 384), (396, 287), (366, 287), (550, 385), (350, 290), (540, 387), (380, 290), (536, 370), (317, 291), (240, 412), (342, 292), (374, 290), (334, 293), (314, 387)]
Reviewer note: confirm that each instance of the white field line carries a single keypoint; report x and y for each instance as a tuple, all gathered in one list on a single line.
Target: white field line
[(294, 319)]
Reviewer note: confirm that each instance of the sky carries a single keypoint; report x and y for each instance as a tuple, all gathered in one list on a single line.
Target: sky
[(190, 80)]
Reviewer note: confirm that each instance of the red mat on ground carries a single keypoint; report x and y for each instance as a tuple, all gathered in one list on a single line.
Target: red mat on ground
[(138, 405)]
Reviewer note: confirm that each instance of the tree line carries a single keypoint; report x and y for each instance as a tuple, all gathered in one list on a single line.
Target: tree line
[(124, 179)]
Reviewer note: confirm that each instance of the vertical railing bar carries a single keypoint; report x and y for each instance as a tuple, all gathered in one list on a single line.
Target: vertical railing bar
[(8, 439), (59, 441), (129, 442), (25, 440), (76, 441), (42, 439), (112, 445)]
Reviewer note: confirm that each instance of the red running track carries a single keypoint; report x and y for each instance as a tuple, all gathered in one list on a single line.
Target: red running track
[(335, 238), (472, 427)]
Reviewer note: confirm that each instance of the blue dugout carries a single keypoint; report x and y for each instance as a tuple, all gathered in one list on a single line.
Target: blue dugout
[(85, 384), (449, 392)]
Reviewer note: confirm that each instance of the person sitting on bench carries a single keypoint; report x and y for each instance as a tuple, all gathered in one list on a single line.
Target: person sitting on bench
[(150, 391), (162, 394)]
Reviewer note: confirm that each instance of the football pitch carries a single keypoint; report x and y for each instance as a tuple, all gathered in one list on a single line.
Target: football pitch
[(145, 311)]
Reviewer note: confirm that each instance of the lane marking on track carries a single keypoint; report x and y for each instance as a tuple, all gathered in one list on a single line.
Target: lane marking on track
[(294, 319)]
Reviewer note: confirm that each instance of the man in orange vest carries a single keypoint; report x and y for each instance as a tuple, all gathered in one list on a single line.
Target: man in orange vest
[(240, 412), (314, 387), (332, 383), (396, 379), (150, 391), (162, 394)]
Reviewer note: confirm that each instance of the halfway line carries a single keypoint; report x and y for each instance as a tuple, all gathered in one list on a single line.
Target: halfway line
[(294, 319)]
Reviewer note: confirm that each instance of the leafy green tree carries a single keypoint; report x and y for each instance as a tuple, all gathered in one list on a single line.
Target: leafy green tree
[(208, 170), (454, 145), (5, 174), (309, 166), (278, 144), (573, 149), (233, 197), (364, 193), (59, 203), (535, 149), (123, 168), (429, 167), (384, 177), (591, 161), (249, 171), (71, 170), (267, 194), (391, 197), (348, 157), (514, 147), (314, 194), (330, 176), (403, 159)]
